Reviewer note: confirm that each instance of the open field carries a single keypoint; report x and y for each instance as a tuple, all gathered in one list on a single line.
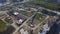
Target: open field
[(38, 18), (46, 4), (3, 26)]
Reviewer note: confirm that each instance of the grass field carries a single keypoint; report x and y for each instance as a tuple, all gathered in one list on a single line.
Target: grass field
[(49, 5), (39, 16), (3, 26)]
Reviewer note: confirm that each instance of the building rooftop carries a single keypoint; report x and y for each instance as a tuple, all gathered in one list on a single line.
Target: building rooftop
[(23, 31), (52, 21), (15, 13), (44, 29), (20, 21)]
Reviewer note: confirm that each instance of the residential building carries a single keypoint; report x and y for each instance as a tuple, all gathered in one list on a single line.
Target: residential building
[(23, 31), (20, 21), (44, 29), (15, 13)]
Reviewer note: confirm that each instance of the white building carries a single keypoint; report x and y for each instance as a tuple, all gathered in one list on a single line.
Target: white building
[(20, 21), (15, 13), (23, 31), (44, 29)]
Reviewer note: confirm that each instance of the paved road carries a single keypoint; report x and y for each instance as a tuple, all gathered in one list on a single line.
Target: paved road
[(17, 28), (50, 12), (40, 23), (58, 13), (24, 23), (3, 12), (24, 9), (14, 24)]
